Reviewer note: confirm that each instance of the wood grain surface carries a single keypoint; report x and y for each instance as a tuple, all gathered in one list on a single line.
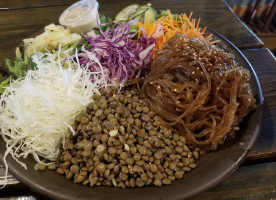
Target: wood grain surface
[(256, 182), (23, 4), (264, 64), (20, 19)]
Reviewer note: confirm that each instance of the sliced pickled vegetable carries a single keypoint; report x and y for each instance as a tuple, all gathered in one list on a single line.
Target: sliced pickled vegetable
[(126, 12), (145, 13)]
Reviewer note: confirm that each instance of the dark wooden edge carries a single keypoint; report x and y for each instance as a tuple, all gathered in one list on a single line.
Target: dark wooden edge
[(249, 46), (260, 156)]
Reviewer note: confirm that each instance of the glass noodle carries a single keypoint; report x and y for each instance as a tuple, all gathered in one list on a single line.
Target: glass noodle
[(199, 91)]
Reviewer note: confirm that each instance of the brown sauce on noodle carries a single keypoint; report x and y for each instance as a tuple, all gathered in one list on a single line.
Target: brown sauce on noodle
[(199, 91)]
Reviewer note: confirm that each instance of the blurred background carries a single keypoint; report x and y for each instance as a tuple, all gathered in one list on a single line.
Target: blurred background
[(260, 17)]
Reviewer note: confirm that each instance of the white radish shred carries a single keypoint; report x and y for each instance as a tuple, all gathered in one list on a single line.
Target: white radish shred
[(37, 112)]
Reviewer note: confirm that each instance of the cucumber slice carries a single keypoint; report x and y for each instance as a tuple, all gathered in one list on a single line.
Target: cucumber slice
[(146, 13), (126, 12), (134, 27), (134, 11)]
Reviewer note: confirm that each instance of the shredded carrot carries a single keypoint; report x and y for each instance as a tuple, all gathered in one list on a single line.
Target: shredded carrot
[(180, 24)]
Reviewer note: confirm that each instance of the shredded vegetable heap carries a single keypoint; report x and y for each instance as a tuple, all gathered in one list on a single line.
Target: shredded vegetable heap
[(199, 91), (37, 111), (120, 57), (168, 25)]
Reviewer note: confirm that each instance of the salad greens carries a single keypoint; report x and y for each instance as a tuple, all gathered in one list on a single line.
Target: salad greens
[(165, 13), (4, 84), (123, 47), (136, 12), (17, 69), (114, 43), (119, 56), (48, 41)]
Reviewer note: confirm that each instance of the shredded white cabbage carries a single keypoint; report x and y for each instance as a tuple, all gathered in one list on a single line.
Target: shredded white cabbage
[(37, 111)]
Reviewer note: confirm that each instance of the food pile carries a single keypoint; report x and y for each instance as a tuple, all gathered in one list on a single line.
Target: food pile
[(134, 102), (199, 89), (119, 142), (120, 58)]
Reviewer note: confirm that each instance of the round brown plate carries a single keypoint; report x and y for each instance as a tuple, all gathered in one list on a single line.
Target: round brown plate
[(212, 168)]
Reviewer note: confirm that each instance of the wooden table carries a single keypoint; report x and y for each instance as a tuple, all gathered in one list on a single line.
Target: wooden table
[(256, 178)]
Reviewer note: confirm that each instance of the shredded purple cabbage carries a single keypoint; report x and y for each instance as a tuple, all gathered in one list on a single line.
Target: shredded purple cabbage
[(120, 57)]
